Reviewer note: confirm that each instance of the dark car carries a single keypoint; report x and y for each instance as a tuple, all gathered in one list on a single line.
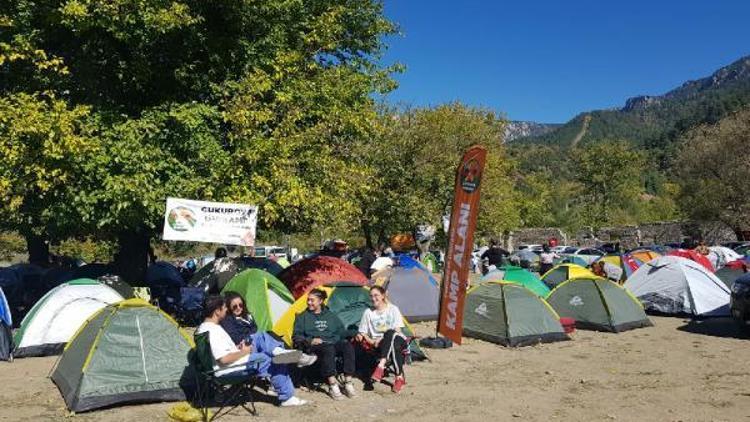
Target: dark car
[(740, 299)]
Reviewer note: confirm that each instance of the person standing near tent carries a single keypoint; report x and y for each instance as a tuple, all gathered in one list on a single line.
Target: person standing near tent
[(232, 359), (239, 324), (494, 256), (319, 331), (380, 330), (547, 259)]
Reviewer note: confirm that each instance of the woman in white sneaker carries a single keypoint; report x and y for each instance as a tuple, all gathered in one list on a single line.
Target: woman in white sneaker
[(240, 326), (380, 330)]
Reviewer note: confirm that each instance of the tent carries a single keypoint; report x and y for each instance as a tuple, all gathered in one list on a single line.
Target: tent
[(413, 289), (265, 295), (644, 255), (598, 304), (572, 259), (55, 318), (348, 301), (563, 272), (510, 315), (520, 276), (274, 267), (305, 275), (6, 322), (693, 256), (128, 352), (163, 273), (625, 262), (675, 285), (216, 274), (723, 255)]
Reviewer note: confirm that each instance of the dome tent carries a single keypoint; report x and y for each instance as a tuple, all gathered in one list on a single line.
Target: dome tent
[(563, 272), (520, 276), (676, 285), (128, 352), (598, 304), (510, 315), (266, 296), (412, 288), (54, 319), (309, 273), (6, 322)]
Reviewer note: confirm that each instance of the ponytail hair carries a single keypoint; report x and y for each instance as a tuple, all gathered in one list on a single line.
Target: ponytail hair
[(319, 293)]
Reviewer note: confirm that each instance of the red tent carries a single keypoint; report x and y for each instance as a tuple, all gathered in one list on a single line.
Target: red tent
[(309, 273), (694, 256)]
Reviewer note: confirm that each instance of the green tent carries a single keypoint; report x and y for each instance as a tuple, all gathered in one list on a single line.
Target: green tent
[(598, 304), (520, 276), (267, 298), (510, 315), (128, 352)]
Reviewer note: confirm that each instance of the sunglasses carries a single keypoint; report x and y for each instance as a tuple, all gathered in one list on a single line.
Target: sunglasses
[(237, 306)]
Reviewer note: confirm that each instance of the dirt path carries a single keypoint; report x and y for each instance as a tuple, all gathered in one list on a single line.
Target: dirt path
[(582, 133), (674, 371)]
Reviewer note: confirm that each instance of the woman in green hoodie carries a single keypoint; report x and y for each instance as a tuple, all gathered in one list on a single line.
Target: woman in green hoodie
[(319, 331)]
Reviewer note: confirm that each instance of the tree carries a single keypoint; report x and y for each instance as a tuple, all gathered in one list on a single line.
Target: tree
[(610, 175), (713, 171), (414, 160)]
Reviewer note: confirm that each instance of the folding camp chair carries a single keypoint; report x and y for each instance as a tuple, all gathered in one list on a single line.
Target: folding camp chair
[(390, 364), (228, 391)]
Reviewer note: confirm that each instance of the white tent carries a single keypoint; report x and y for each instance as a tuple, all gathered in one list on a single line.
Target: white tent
[(720, 256), (53, 321), (674, 285)]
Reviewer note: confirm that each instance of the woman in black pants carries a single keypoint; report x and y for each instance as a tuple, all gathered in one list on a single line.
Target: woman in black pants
[(380, 329)]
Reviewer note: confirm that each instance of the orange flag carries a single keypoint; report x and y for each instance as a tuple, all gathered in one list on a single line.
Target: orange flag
[(460, 243)]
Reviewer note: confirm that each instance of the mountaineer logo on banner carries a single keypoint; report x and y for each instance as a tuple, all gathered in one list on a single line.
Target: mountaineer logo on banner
[(210, 222)]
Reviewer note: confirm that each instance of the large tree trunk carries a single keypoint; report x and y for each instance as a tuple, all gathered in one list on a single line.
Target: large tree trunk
[(367, 232), (38, 249), (132, 259)]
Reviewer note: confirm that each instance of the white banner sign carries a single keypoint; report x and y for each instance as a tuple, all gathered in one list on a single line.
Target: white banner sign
[(211, 222)]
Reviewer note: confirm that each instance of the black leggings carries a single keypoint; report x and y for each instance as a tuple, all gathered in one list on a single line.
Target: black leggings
[(395, 353), (327, 353)]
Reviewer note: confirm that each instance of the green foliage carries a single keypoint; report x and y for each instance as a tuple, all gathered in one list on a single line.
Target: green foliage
[(713, 169), (11, 244), (87, 249)]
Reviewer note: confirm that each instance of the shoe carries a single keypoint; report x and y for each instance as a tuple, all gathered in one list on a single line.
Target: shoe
[(306, 360), (349, 390), (398, 384), (285, 357), (377, 374), (293, 401), (335, 392)]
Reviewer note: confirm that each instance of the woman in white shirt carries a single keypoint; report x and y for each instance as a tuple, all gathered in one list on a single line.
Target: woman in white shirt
[(380, 330)]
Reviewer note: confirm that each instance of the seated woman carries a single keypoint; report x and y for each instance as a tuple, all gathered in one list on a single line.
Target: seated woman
[(231, 359), (319, 331), (240, 326), (380, 329)]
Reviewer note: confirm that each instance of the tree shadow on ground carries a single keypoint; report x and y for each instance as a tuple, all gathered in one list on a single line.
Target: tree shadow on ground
[(716, 327)]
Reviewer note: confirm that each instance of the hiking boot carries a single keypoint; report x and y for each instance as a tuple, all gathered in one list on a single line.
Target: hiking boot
[(306, 360), (377, 374), (293, 401), (335, 392), (349, 390), (398, 384), (285, 357)]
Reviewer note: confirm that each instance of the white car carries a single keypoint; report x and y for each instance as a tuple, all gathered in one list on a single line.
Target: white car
[(587, 254), (559, 249), (533, 248)]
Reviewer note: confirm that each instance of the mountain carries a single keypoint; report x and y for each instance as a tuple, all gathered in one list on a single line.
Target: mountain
[(656, 121), (519, 129)]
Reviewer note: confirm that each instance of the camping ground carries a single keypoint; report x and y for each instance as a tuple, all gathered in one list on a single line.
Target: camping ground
[(677, 370)]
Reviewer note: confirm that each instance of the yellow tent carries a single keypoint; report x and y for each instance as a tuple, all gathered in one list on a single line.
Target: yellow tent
[(563, 272)]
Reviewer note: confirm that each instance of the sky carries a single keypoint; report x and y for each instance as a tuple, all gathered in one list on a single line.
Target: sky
[(547, 61)]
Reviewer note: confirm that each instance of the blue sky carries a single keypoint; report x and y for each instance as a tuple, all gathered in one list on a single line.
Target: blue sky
[(547, 61)]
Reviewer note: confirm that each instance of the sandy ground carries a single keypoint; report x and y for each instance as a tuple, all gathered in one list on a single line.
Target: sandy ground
[(675, 371)]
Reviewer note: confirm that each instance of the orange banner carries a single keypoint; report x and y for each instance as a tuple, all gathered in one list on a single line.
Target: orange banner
[(460, 243)]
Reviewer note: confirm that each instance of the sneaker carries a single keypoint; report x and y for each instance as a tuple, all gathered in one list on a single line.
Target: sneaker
[(293, 401), (349, 390), (335, 392), (285, 357), (398, 384), (377, 374), (306, 360)]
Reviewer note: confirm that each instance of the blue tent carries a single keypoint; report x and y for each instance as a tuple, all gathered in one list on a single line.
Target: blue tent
[(407, 262), (5, 315), (164, 273)]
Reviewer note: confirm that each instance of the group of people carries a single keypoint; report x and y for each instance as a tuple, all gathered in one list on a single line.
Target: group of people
[(319, 336)]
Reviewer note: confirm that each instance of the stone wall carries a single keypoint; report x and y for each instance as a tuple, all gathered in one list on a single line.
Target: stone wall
[(628, 236)]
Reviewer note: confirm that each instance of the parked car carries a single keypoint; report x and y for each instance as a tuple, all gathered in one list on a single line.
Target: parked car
[(533, 248), (740, 300), (559, 248), (735, 244), (587, 254)]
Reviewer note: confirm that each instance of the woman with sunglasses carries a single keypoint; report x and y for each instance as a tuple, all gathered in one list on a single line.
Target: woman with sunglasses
[(240, 326), (380, 331)]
